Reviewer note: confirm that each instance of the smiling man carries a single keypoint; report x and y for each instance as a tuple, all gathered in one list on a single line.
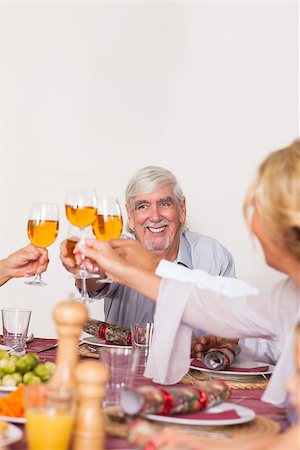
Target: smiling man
[(157, 219)]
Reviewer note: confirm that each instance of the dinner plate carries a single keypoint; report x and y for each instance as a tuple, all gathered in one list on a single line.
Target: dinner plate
[(13, 419), (100, 343), (245, 415), (236, 364), (13, 434), (4, 347), (7, 389)]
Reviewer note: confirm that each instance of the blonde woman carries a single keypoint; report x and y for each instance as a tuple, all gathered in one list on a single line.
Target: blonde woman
[(273, 209)]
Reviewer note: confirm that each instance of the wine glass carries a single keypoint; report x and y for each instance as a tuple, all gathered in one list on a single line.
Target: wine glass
[(73, 237), (109, 223), (81, 211), (42, 229)]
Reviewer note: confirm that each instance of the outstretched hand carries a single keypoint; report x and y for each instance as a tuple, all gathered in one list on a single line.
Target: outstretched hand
[(135, 254), (100, 256), (27, 261)]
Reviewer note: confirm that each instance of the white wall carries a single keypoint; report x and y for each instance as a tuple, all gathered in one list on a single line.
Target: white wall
[(90, 92)]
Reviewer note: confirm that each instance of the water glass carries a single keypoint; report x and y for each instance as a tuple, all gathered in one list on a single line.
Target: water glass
[(15, 323), (141, 336), (122, 364), (49, 413)]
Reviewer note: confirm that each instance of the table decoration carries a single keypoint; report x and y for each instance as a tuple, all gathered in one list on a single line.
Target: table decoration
[(112, 334), (219, 358), (168, 400)]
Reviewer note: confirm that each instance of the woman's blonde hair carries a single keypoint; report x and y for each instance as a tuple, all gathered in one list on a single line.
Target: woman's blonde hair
[(297, 341), (275, 193), (297, 333)]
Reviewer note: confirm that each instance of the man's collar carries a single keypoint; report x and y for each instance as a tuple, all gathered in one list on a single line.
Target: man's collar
[(184, 256)]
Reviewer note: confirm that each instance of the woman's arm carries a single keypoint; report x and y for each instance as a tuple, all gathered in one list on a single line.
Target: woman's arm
[(24, 262)]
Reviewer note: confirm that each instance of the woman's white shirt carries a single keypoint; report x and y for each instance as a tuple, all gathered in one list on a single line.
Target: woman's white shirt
[(256, 349), (183, 306)]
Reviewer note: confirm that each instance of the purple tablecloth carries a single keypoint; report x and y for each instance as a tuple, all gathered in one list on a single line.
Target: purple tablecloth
[(245, 397)]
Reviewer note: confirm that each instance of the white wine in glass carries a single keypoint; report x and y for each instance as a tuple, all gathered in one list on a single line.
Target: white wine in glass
[(109, 223), (73, 237), (42, 229), (81, 211)]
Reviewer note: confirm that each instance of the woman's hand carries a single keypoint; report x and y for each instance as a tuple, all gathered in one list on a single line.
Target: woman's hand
[(27, 261), (100, 256), (135, 254)]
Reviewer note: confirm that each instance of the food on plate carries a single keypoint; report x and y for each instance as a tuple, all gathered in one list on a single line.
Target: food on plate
[(15, 370), (12, 405)]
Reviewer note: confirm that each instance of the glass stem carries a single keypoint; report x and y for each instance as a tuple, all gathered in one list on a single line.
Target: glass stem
[(37, 278), (81, 244), (84, 292)]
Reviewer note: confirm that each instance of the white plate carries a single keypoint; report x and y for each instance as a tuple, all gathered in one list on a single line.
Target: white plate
[(4, 347), (96, 341), (13, 434), (246, 414), (13, 419), (7, 389), (236, 364)]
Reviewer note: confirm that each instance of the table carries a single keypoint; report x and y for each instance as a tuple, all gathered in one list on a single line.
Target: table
[(246, 397)]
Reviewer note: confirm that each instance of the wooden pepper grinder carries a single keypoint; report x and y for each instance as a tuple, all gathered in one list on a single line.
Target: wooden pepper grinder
[(70, 317), (89, 432)]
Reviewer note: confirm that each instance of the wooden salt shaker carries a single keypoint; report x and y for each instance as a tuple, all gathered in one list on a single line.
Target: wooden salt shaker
[(70, 317), (89, 432)]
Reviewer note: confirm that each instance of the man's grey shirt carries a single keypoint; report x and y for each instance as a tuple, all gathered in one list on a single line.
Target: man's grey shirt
[(123, 306)]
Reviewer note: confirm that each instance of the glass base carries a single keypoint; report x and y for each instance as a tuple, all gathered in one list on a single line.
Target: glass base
[(84, 276), (104, 280), (85, 300), (39, 283)]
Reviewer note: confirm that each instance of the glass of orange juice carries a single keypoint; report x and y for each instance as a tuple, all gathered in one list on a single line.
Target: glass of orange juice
[(49, 413)]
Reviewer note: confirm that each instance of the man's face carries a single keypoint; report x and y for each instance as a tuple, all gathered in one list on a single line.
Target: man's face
[(156, 218)]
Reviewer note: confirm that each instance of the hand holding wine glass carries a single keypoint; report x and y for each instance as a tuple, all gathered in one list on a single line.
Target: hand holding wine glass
[(81, 212), (42, 229), (68, 245), (109, 223)]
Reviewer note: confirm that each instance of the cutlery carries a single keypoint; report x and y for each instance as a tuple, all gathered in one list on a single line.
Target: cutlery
[(47, 348), (52, 347)]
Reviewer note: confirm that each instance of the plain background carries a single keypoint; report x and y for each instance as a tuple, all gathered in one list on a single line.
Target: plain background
[(93, 91)]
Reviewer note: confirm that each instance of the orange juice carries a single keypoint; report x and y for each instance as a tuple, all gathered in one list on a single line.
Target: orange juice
[(48, 428)]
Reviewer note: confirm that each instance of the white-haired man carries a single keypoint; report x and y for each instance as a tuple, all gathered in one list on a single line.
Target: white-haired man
[(157, 219)]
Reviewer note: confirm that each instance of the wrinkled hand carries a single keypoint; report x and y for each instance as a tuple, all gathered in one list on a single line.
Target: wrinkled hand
[(135, 254), (68, 263), (27, 261), (203, 343)]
